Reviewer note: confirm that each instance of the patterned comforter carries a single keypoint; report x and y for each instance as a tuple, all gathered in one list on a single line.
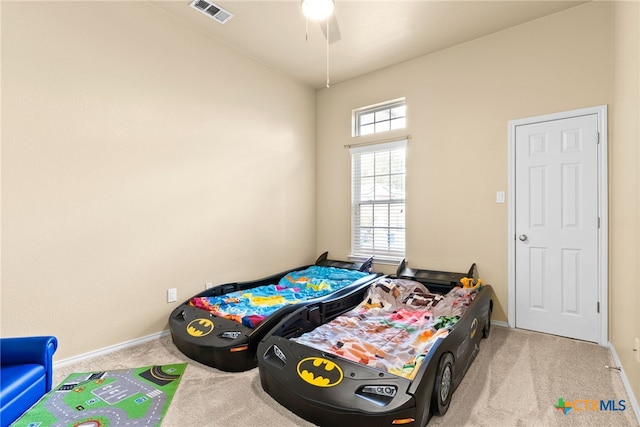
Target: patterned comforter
[(251, 306), (394, 327)]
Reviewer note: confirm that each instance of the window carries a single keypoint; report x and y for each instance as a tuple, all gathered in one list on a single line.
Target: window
[(379, 118), (378, 200)]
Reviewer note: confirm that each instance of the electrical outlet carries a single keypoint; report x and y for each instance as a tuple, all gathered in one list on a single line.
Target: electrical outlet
[(172, 295), (637, 350), (208, 285)]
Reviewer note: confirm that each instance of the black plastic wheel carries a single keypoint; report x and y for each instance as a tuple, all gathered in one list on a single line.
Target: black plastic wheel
[(443, 387), (487, 326)]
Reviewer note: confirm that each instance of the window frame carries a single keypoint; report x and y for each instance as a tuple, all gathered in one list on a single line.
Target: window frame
[(389, 254), (359, 113)]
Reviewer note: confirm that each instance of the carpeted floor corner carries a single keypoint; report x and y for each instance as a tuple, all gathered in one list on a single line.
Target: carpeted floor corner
[(516, 380), (519, 375)]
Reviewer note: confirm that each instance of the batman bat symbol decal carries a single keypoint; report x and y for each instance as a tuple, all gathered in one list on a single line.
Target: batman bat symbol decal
[(199, 327), (319, 372), (473, 328)]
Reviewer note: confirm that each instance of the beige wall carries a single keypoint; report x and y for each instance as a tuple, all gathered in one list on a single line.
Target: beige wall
[(459, 102), (140, 155), (624, 163)]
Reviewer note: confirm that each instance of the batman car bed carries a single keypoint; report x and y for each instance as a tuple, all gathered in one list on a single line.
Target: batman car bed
[(221, 327), (394, 358)]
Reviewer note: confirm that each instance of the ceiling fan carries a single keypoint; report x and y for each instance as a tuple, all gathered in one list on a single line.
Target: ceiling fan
[(323, 11)]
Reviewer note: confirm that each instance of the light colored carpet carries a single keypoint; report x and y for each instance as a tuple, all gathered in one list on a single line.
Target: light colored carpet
[(516, 380), (519, 375)]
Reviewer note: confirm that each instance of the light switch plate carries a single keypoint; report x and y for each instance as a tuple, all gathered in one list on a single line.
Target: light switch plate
[(172, 295), (500, 197)]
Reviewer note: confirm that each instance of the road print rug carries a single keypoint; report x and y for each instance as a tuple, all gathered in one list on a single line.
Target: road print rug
[(127, 397)]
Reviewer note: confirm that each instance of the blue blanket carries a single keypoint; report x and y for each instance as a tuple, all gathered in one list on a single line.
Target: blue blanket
[(252, 306)]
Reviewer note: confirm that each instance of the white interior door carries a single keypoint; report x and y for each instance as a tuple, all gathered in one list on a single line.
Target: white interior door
[(556, 227)]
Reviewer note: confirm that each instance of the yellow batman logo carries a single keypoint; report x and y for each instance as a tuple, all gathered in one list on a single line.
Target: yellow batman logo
[(473, 328), (199, 327), (319, 372)]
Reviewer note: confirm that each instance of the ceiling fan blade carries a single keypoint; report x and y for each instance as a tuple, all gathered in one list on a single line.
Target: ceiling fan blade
[(334, 29)]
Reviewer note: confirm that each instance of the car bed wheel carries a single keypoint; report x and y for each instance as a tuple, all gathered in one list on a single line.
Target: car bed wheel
[(443, 387), (487, 326)]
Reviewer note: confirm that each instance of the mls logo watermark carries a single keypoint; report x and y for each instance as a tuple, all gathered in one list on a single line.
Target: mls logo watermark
[(588, 405)]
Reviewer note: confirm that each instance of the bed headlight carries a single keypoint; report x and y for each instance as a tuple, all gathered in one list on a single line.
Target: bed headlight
[(381, 390), (379, 394), (275, 356), (279, 354), (232, 335)]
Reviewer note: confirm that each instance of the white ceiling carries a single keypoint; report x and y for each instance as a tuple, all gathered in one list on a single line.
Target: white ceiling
[(375, 34)]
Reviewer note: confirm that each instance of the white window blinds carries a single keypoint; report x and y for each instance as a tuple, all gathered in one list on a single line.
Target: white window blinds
[(378, 200)]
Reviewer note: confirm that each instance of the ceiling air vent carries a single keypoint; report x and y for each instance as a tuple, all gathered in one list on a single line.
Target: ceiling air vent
[(212, 10)]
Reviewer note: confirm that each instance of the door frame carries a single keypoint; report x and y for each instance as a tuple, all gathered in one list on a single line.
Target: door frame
[(603, 208)]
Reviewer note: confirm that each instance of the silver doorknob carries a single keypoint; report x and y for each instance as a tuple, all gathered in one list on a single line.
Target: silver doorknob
[(522, 237)]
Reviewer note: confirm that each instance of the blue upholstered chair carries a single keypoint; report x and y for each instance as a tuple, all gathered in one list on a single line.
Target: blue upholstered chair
[(26, 374)]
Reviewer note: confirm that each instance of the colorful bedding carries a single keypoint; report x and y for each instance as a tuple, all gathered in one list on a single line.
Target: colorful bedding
[(251, 306), (394, 327)]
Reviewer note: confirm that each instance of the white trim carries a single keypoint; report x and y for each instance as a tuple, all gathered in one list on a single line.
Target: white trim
[(603, 209), (625, 382), (355, 114), (110, 349), (499, 324)]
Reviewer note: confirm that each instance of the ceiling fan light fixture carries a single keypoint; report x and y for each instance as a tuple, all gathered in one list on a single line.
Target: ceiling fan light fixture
[(317, 10)]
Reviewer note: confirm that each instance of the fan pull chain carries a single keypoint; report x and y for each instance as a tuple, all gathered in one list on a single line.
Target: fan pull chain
[(328, 85)]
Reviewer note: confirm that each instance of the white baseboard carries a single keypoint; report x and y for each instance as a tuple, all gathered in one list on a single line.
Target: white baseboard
[(499, 323), (625, 381), (110, 349)]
